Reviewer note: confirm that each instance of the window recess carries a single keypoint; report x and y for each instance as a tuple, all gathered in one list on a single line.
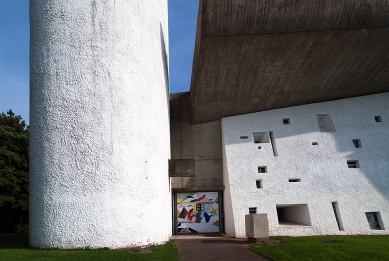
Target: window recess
[(335, 207), (252, 210), (293, 215), (353, 164), (374, 220), (357, 143), (261, 137), (325, 123), (273, 143), (377, 118)]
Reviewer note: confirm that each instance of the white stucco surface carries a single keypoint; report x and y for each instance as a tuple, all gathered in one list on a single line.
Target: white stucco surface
[(323, 170), (99, 120)]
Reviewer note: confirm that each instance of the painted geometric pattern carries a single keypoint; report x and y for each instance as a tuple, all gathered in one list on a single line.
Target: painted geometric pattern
[(197, 212)]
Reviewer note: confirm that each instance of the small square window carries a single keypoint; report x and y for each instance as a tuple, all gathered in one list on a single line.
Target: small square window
[(262, 169), (377, 118), (315, 143), (252, 210), (286, 121), (258, 183), (353, 164), (373, 219), (244, 137), (259, 147), (357, 143)]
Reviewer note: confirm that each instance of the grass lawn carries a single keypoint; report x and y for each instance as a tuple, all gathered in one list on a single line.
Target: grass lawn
[(18, 249), (326, 248)]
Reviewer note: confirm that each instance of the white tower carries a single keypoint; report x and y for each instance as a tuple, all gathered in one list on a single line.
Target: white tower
[(99, 123)]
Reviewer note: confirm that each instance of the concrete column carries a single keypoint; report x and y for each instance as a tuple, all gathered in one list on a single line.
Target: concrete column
[(99, 144)]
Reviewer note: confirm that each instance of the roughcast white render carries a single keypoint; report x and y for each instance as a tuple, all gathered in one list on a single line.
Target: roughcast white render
[(316, 160), (99, 124)]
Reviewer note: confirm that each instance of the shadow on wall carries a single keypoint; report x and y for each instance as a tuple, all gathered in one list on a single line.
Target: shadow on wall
[(165, 63), (356, 128)]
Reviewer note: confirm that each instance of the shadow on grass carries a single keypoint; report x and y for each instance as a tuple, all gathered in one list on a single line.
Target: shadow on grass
[(14, 243)]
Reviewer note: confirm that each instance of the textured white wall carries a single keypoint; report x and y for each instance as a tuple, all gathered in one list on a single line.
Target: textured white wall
[(323, 170), (99, 124)]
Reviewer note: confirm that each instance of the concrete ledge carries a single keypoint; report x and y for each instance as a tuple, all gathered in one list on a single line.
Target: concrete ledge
[(197, 189)]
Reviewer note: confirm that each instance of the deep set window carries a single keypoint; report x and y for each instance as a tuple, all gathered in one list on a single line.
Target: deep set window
[(353, 164), (325, 123), (293, 214), (374, 221), (252, 210), (357, 143), (377, 118), (261, 137)]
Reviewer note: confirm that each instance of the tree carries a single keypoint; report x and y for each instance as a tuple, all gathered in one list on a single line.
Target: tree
[(14, 189)]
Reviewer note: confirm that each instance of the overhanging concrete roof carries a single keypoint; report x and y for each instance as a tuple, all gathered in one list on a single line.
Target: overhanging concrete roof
[(253, 55)]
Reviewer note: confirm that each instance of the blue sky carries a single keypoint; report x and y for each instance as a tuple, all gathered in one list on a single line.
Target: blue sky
[(14, 51)]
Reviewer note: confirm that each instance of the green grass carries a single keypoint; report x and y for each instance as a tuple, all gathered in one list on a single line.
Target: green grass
[(326, 248), (18, 249)]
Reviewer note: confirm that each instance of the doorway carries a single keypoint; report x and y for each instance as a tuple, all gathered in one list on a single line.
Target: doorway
[(197, 212)]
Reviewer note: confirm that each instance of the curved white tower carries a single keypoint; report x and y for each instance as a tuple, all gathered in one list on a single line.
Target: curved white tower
[(99, 123)]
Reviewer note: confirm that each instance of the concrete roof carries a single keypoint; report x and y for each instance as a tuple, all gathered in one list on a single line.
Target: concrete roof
[(253, 55)]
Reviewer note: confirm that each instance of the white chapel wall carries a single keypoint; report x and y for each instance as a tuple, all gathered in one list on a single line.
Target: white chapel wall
[(322, 169)]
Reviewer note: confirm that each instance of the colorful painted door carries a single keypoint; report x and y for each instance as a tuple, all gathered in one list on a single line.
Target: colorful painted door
[(197, 212)]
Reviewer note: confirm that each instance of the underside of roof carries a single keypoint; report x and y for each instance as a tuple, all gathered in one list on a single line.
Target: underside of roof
[(253, 55)]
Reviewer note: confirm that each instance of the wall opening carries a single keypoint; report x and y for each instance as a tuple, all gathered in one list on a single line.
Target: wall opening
[(353, 164), (357, 143), (335, 207), (262, 169), (252, 210), (293, 215), (244, 137), (294, 180), (374, 220), (261, 137), (315, 143), (197, 212), (258, 183), (286, 121), (259, 147), (325, 123), (273, 143), (377, 118)]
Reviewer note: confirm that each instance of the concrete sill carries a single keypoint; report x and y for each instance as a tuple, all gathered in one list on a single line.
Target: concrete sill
[(291, 224)]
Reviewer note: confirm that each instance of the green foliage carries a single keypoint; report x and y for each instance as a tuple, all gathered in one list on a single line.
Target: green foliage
[(17, 249), (13, 173), (326, 248)]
